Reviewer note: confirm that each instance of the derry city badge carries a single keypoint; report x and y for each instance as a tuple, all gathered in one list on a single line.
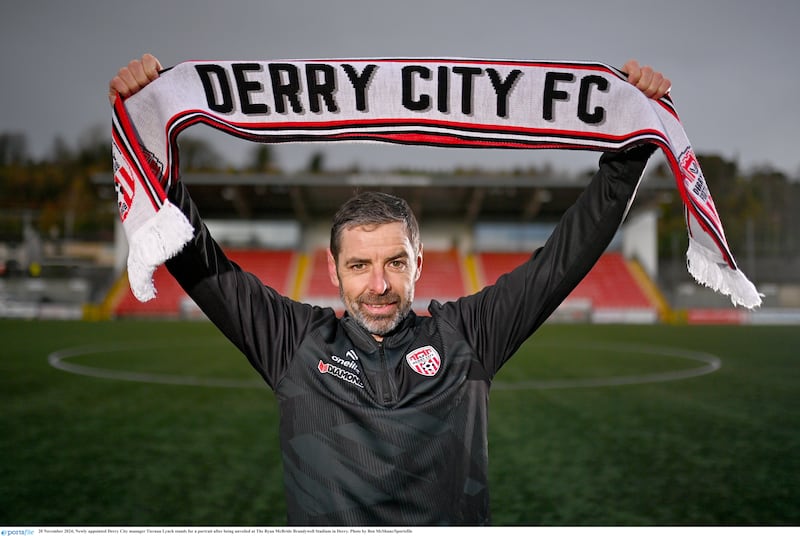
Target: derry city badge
[(424, 361)]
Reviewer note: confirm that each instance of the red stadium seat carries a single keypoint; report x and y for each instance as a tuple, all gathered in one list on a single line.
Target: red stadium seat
[(318, 283), (442, 277), (275, 268), (609, 285)]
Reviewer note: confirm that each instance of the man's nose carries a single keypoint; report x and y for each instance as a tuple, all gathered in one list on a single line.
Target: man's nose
[(378, 283)]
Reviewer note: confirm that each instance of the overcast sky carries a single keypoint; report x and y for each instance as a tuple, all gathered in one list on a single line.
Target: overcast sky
[(733, 63)]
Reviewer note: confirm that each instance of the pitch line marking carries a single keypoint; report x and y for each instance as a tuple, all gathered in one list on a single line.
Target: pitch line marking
[(711, 363), (58, 359)]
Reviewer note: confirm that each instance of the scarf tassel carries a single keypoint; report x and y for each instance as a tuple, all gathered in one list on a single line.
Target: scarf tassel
[(719, 277), (161, 237)]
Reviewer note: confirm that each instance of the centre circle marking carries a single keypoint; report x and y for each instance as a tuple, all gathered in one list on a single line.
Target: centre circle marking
[(58, 359), (711, 363)]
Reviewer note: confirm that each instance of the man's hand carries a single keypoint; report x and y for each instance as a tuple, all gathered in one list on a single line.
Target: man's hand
[(133, 77), (651, 83)]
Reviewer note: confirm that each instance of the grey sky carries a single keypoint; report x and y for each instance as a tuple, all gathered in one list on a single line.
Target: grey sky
[(732, 63)]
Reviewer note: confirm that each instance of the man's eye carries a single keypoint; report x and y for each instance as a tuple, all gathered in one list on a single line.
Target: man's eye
[(397, 265)]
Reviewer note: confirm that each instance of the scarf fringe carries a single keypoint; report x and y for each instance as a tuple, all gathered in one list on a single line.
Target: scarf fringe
[(719, 277), (157, 240)]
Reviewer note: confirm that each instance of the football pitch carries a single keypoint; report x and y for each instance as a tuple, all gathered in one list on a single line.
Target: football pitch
[(164, 423)]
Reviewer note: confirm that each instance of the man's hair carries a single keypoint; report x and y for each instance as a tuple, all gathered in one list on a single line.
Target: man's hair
[(370, 209)]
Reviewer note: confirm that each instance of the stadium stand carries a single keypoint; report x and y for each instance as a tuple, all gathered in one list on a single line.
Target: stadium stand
[(453, 206), (273, 267), (442, 277), (166, 303), (611, 288), (492, 265), (609, 292), (277, 267), (610, 285), (317, 287)]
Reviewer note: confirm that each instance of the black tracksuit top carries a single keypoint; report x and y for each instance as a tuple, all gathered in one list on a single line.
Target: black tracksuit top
[(395, 433)]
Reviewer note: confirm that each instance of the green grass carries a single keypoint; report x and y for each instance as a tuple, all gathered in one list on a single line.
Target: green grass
[(717, 449)]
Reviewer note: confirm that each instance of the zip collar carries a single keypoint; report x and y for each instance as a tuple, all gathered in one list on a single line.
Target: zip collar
[(364, 341)]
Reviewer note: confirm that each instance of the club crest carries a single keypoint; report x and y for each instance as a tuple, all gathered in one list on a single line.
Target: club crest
[(693, 176), (424, 361), (125, 187)]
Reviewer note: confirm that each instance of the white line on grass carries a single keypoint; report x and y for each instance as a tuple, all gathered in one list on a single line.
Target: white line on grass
[(712, 363), (58, 360)]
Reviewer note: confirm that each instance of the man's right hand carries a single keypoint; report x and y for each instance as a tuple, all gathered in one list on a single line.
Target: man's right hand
[(133, 77), (652, 83)]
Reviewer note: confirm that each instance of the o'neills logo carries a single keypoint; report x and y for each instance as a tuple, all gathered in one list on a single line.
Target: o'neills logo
[(425, 361), (342, 374)]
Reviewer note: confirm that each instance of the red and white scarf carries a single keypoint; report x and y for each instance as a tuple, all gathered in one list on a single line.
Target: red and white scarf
[(420, 101)]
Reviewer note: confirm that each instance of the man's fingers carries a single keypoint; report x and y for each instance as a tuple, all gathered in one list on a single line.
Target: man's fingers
[(151, 66), (123, 85), (133, 77), (116, 87), (645, 81), (632, 70), (657, 85), (128, 80), (665, 87), (137, 72), (650, 82)]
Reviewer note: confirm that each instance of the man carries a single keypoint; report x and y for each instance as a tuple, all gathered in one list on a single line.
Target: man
[(383, 412)]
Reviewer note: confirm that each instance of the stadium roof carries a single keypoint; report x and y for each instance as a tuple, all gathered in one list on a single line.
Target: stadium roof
[(454, 197)]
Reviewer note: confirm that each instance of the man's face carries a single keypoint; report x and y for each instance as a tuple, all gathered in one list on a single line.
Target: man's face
[(376, 273)]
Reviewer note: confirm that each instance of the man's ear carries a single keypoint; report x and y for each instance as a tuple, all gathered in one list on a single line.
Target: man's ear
[(419, 262), (332, 273)]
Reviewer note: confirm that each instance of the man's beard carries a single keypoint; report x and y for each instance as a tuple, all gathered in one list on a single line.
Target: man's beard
[(378, 324)]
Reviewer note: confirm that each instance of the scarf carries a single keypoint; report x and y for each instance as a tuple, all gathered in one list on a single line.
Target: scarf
[(435, 102)]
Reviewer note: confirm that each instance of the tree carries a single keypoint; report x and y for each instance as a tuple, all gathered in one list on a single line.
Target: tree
[(262, 160), (13, 149), (316, 164), (197, 154)]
